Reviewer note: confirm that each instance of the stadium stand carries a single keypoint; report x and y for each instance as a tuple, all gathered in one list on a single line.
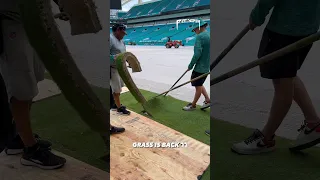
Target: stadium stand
[(156, 32), (160, 6)]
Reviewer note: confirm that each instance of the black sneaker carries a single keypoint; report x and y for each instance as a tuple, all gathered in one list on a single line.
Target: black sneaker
[(114, 107), (42, 158), (207, 132), (16, 145), (116, 130), (123, 110)]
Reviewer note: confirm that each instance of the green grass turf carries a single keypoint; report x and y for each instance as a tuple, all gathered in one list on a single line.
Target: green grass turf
[(168, 111), (278, 165), (54, 119)]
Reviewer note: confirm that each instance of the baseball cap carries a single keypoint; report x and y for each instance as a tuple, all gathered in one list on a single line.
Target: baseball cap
[(117, 26), (196, 24)]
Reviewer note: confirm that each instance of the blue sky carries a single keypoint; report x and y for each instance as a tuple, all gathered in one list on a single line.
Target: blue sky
[(130, 4)]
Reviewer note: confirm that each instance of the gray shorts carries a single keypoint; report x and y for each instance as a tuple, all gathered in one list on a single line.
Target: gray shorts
[(116, 82), (20, 65)]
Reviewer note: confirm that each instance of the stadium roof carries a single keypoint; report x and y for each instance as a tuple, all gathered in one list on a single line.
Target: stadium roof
[(128, 4)]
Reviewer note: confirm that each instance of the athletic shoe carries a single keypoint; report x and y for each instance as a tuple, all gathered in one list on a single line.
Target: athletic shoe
[(254, 144), (16, 146), (114, 107), (205, 104), (41, 158), (189, 107), (309, 136), (122, 110), (116, 130), (207, 132)]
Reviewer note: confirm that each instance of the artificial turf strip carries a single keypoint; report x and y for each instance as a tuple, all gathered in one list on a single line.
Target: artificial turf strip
[(281, 164)]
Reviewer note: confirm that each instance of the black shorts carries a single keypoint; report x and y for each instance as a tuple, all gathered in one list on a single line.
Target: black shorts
[(285, 66), (200, 81)]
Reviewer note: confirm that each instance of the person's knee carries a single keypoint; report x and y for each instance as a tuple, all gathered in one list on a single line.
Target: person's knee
[(198, 88), (285, 86)]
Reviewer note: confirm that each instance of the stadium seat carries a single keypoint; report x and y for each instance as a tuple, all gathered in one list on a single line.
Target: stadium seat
[(157, 34), (157, 7)]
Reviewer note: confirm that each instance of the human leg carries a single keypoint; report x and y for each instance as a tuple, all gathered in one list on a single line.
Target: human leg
[(197, 95), (205, 94), (198, 84), (116, 86), (18, 68), (283, 73)]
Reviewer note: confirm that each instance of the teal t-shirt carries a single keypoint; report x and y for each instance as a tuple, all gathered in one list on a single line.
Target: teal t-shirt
[(201, 57), (289, 17)]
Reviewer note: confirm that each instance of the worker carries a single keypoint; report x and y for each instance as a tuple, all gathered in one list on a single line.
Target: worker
[(200, 63)]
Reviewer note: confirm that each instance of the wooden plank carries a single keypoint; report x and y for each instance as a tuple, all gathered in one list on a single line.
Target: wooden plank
[(129, 163), (47, 88), (11, 169)]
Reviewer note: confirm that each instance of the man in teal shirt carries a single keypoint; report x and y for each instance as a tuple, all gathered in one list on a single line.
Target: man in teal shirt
[(291, 21), (201, 63)]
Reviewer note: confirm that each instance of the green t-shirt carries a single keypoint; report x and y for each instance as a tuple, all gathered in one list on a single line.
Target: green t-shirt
[(201, 57), (289, 17)]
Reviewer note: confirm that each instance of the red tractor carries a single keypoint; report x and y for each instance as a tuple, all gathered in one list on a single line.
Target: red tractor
[(175, 44)]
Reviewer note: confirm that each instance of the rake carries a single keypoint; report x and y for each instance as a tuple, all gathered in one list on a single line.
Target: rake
[(272, 56), (214, 63)]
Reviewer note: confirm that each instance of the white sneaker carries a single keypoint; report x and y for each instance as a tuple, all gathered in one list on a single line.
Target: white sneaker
[(189, 107), (255, 144), (309, 136), (205, 104)]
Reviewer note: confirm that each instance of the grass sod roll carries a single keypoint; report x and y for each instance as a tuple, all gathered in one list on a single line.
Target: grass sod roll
[(126, 77), (47, 40), (152, 106)]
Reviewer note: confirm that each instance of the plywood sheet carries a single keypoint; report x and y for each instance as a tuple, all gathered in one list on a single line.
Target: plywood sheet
[(11, 169), (129, 163)]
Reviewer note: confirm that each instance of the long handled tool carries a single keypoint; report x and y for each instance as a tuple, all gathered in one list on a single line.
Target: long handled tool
[(215, 62), (230, 46), (176, 82), (199, 77), (295, 46)]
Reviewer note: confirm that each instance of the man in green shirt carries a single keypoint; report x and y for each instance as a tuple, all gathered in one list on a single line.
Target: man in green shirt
[(290, 21), (200, 63)]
